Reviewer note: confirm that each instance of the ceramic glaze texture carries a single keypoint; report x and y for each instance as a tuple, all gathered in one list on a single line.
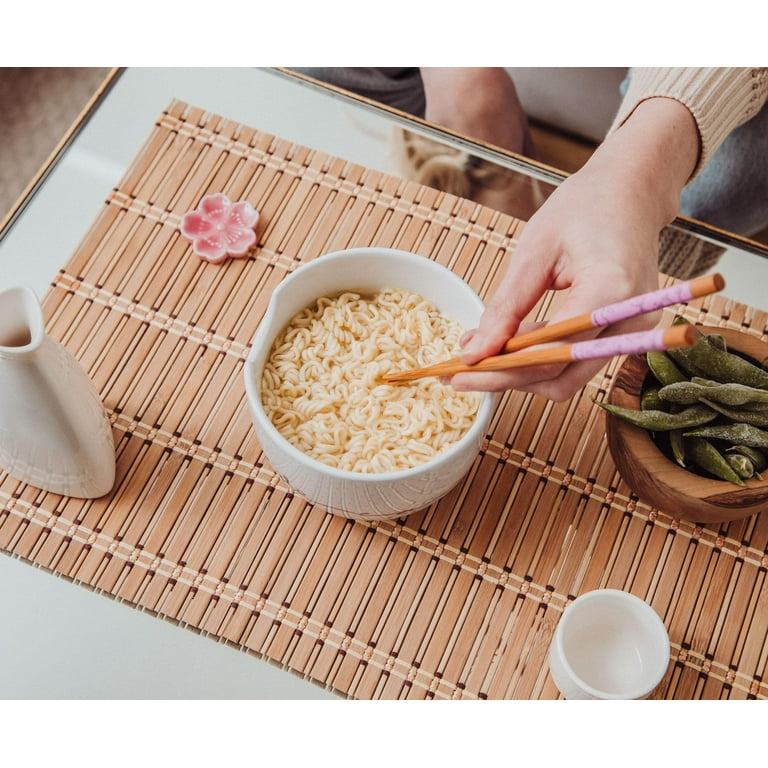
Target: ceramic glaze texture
[(609, 644), (54, 430), (351, 494)]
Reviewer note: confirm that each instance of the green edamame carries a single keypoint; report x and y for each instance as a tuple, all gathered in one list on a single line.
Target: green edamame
[(708, 458), (662, 421), (756, 456), (709, 362), (650, 400), (688, 392), (684, 363), (743, 415), (709, 358), (741, 465), (682, 392), (721, 395), (664, 368), (736, 434), (717, 341), (677, 446), (705, 382)]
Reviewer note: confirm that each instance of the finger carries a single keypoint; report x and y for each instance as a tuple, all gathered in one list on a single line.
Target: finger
[(591, 291), (497, 381), (557, 383), (526, 280)]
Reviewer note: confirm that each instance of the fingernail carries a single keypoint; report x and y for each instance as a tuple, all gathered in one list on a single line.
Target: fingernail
[(472, 347)]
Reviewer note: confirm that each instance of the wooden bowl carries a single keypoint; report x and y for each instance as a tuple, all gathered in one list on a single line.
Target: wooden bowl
[(660, 481)]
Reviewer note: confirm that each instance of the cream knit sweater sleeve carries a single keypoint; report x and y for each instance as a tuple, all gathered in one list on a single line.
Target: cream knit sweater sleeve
[(719, 98)]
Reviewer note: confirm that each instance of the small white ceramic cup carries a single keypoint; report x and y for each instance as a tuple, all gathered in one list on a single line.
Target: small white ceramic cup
[(609, 644)]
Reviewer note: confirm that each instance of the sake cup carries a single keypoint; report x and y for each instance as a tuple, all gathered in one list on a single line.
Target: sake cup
[(609, 644)]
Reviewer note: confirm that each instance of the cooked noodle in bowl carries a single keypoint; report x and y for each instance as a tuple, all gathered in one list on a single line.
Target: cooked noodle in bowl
[(322, 384), (331, 427)]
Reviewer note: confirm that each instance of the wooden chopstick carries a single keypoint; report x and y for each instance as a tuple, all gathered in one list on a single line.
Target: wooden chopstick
[(606, 346), (623, 310)]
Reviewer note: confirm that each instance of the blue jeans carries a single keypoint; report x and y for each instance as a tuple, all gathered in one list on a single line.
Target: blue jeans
[(731, 190)]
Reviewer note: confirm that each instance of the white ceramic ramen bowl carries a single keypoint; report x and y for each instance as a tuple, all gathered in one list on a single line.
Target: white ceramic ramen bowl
[(351, 494)]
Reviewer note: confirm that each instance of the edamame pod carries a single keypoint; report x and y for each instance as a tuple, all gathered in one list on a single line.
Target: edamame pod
[(756, 456), (736, 434), (650, 400), (677, 446), (723, 394), (741, 465), (686, 364), (682, 392), (664, 368), (662, 421), (717, 340), (705, 382), (688, 392), (712, 363), (743, 415), (708, 458)]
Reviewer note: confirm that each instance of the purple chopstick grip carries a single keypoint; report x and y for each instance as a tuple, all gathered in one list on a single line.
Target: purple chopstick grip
[(625, 344), (638, 305)]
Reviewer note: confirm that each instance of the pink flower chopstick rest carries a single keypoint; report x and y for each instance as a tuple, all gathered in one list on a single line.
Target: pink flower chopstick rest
[(220, 229)]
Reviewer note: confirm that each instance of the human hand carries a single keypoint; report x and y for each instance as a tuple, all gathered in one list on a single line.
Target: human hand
[(596, 236)]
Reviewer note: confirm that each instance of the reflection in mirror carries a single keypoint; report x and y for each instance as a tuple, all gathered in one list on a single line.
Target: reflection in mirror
[(684, 256), (458, 172)]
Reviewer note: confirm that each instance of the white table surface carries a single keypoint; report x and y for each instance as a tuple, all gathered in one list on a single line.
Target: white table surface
[(111, 650)]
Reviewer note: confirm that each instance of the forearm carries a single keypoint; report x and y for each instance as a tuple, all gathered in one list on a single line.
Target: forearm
[(479, 102), (654, 152), (449, 88), (597, 236)]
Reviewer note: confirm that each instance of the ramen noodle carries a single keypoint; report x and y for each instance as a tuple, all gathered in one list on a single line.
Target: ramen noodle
[(322, 385)]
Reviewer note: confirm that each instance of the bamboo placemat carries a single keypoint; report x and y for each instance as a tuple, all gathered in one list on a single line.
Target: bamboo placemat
[(456, 601)]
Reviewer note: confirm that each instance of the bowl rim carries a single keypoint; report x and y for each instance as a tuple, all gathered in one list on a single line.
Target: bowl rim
[(473, 436)]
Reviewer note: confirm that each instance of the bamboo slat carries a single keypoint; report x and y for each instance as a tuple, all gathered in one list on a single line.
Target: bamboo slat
[(459, 600)]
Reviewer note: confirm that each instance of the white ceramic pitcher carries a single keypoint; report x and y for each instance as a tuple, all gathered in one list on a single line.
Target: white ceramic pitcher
[(54, 430)]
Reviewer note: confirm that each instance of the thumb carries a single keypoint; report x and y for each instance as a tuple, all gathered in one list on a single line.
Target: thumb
[(527, 278)]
